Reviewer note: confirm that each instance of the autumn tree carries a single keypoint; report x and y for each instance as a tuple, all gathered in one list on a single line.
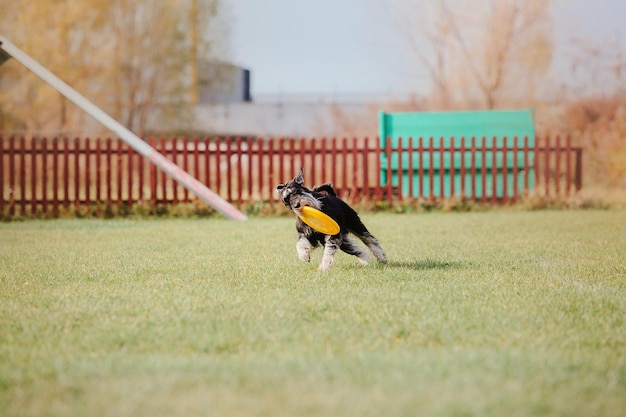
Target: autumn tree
[(134, 58), (57, 34)]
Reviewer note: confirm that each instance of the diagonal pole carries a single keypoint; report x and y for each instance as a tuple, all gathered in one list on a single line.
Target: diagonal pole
[(8, 49)]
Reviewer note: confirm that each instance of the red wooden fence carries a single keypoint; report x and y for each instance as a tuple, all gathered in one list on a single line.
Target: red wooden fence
[(39, 175)]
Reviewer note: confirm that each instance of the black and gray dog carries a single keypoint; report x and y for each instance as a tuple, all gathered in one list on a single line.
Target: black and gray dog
[(294, 195)]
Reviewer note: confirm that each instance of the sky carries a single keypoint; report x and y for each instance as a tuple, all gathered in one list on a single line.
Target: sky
[(350, 47)]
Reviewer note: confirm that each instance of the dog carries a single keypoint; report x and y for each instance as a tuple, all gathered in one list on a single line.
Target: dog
[(295, 195)]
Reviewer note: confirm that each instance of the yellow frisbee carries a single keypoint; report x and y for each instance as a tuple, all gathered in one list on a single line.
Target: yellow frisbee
[(319, 221)]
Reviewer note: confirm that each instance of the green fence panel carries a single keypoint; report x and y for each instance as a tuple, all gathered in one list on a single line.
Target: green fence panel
[(447, 130)]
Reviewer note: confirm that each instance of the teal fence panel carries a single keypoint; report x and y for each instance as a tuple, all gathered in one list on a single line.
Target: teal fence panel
[(446, 165)]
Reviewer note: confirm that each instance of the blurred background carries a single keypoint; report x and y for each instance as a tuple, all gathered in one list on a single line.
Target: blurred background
[(277, 68)]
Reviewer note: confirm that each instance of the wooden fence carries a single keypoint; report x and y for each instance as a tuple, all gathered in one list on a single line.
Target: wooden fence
[(40, 175)]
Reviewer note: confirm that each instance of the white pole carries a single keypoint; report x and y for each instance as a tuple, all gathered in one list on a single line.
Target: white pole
[(169, 167)]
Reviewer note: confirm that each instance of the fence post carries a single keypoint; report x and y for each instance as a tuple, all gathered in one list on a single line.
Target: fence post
[(281, 160), (431, 169), (333, 160), (452, 169), (185, 167), (239, 171), (579, 169), (557, 166), (473, 168), (515, 168), (44, 176), (22, 175), (568, 163), (270, 176), (494, 171), (174, 149), (505, 171), (152, 178), (98, 171), (547, 167), (442, 168), (410, 168), (389, 169), (193, 143), (483, 171), (420, 174), (12, 176), (2, 175), (261, 148), (66, 173), (462, 169), (366, 182), (55, 177), (377, 150), (207, 161), (140, 171), (164, 179), (527, 167)]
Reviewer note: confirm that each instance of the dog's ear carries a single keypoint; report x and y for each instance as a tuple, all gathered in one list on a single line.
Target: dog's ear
[(327, 189), (299, 179), (280, 187)]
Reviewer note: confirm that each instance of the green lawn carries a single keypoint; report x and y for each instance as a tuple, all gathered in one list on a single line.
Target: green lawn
[(477, 314)]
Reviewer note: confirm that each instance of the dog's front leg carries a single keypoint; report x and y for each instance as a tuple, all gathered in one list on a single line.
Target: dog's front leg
[(330, 247), (303, 247)]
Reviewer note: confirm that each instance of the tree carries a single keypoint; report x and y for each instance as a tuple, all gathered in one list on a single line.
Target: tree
[(479, 53), (55, 34), (133, 58)]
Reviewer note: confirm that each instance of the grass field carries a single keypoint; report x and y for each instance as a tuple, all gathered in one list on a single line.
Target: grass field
[(476, 314)]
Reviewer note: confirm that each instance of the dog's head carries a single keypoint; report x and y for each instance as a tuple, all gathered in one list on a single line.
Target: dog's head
[(294, 194)]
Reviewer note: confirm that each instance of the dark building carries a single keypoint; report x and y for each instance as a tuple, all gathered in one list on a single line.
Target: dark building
[(222, 83)]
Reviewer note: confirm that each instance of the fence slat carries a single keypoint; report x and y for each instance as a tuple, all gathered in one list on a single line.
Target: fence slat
[(2, 165), (557, 165), (452, 172), (66, 173), (505, 171), (515, 169), (389, 170), (22, 175), (421, 167), (473, 168), (462, 168), (44, 176), (55, 177), (494, 171), (546, 175), (12, 178)]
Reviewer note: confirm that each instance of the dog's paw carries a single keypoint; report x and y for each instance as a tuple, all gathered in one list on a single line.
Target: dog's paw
[(326, 264), (364, 258)]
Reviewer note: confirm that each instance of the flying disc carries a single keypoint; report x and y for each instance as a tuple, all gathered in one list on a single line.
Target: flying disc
[(319, 221)]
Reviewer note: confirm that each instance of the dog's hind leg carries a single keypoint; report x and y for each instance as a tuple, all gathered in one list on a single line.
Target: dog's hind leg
[(303, 247), (372, 243), (350, 247), (357, 227)]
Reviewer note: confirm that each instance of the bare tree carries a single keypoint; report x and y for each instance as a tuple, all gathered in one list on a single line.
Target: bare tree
[(490, 51)]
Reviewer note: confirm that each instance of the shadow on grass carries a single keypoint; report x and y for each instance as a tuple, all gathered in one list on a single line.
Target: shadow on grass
[(422, 265)]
